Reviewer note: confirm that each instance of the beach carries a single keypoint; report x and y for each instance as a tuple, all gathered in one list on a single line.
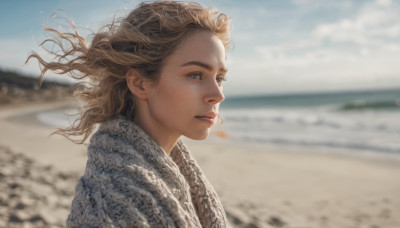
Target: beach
[(259, 185)]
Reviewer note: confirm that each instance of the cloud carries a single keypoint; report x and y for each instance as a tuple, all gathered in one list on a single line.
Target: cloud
[(310, 5), (360, 51), (14, 52), (372, 24), (384, 2)]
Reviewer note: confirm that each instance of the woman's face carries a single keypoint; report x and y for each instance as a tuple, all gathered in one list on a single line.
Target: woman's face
[(186, 99)]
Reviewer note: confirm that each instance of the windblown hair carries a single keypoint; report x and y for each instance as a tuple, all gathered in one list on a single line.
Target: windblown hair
[(142, 40)]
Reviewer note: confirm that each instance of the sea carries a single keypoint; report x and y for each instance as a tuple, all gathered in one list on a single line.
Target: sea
[(356, 120)]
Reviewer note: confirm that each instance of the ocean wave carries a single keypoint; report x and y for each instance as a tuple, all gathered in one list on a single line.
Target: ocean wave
[(58, 119), (313, 119), (365, 104), (342, 144), (368, 130)]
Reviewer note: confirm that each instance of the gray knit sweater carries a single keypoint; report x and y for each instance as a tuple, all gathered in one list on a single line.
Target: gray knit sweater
[(130, 181)]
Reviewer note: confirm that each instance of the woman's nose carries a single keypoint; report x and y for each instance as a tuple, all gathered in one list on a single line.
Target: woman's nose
[(214, 94)]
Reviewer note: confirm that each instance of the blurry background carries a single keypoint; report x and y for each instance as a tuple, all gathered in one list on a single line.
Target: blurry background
[(329, 65), (318, 76)]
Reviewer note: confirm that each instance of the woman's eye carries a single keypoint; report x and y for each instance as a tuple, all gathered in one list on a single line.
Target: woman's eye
[(220, 79), (195, 75)]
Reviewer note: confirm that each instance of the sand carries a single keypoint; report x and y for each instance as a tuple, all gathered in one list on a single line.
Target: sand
[(259, 185)]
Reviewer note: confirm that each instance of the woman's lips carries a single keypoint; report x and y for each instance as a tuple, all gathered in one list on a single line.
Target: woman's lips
[(206, 119)]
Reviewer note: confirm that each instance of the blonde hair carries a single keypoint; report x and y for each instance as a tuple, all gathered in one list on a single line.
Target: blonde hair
[(142, 40)]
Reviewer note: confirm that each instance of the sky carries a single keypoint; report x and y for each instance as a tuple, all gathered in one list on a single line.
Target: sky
[(278, 47)]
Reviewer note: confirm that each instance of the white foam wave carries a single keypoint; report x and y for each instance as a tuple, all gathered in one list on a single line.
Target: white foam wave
[(369, 130), (57, 119)]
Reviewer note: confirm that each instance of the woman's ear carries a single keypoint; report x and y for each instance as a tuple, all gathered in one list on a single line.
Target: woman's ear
[(136, 83)]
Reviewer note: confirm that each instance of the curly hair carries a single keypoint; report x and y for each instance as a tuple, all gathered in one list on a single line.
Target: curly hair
[(142, 40)]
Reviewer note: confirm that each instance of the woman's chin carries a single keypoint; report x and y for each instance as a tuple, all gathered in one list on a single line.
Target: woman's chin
[(199, 135)]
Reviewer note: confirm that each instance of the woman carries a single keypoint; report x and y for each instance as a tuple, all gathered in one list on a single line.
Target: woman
[(153, 77)]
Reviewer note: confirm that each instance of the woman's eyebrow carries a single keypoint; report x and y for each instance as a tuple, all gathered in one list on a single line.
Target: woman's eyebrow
[(204, 65)]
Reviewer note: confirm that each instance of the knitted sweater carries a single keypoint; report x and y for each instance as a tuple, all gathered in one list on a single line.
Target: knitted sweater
[(130, 181)]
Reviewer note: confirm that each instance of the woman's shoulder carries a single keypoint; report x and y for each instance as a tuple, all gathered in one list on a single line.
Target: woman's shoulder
[(114, 200), (113, 153), (119, 138), (118, 191)]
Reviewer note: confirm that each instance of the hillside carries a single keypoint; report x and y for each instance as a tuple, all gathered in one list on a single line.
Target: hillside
[(16, 88)]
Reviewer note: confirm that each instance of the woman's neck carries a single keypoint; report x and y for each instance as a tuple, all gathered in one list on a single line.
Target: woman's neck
[(165, 139)]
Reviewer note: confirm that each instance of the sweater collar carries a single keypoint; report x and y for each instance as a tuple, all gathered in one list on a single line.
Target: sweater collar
[(129, 130)]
